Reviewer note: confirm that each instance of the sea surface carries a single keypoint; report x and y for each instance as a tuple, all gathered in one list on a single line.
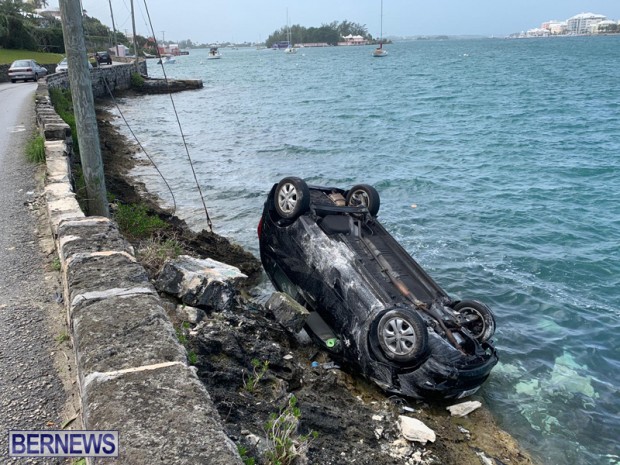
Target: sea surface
[(498, 166)]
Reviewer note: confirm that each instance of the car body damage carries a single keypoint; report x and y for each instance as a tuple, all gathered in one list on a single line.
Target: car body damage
[(371, 304)]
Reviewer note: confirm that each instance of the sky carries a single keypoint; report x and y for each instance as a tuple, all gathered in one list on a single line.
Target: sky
[(208, 21)]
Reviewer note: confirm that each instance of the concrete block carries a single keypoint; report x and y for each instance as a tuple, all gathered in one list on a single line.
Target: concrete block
[(56, 131), (63, 209), (99, 275), (164, 416), (200, 283), (287, 311), (123, 332), (58, 170), (90, 234)]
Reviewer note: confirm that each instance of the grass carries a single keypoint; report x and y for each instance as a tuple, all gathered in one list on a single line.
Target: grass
[(285, 442), (62, 337), (56, 264), (154, 251), (258, 371), (9, 56), (136, 222), (35, 150)]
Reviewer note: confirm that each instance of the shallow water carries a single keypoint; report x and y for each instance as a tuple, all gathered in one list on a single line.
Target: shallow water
[(510, 152)]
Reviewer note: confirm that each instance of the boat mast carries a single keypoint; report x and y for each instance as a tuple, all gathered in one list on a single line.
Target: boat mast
[(381, 33)]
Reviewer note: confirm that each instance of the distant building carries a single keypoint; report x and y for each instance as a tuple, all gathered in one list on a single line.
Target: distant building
[(353, 40), (583, 23), (555, 27)]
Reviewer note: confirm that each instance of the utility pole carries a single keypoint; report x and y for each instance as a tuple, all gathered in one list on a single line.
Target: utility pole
[(84, 107), (133, 27), (113, 27)]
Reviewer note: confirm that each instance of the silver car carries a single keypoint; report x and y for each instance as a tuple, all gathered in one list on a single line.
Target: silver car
[(26, 70), (63, 66)]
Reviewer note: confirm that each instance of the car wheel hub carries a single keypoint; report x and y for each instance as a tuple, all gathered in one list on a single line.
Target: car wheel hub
[(360, 198), (287, 198), (399, 336)]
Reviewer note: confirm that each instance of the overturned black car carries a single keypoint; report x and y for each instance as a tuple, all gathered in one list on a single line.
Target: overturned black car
[(371, 304)]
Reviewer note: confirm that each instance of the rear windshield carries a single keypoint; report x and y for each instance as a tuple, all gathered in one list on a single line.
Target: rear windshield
[(21, 64)]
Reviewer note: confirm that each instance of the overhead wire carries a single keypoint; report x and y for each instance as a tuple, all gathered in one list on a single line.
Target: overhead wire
[(191, 163)]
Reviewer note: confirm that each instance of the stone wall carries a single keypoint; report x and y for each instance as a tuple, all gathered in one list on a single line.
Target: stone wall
[(117, 76), (132, 372)]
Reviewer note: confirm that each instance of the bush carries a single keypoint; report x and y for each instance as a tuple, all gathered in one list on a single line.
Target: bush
[(35, 150), (137, 81)]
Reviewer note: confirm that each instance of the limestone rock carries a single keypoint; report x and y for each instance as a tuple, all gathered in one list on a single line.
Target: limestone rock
[(287, 311), (464, 408), (190, 314), (201, 283), (414, 430)]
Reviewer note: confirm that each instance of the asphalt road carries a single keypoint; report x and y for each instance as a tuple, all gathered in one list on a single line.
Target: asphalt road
[(33, 392)]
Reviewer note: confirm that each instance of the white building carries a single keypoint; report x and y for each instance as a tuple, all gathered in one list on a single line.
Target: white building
[(583, 23)]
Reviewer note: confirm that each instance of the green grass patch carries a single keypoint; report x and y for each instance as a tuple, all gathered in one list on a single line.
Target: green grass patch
[(136, 222), (9, 56), (63, 104), (35, 150), (56, 264)]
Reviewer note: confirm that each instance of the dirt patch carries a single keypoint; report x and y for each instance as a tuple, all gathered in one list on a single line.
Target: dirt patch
[(251, 366)]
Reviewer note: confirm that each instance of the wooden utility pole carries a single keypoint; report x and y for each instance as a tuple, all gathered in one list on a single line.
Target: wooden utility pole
[(84, 107), (113, 27), (135, 43)]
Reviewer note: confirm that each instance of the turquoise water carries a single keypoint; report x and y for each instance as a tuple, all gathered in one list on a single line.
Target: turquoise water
[(498, 165)]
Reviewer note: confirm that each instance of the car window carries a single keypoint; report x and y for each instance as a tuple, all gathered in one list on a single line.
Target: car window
[(21, 63)]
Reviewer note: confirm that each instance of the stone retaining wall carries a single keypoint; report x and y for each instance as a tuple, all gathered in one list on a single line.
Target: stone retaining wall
[(118, 77), (133, 373)]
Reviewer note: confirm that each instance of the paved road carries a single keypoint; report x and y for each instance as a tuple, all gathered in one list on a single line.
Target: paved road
[(32, 393)]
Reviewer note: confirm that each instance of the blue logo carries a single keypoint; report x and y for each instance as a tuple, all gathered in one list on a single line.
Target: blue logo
[(63, 443)]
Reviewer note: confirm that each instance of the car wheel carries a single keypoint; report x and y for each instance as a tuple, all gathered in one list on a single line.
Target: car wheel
[(292, 198), (13, 81), (402, 336), (36, 77), (364, 195), (478, 319)]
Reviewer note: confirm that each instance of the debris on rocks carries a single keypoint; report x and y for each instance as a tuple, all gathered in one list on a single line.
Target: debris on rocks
[(413, 429), (289, 313), (464, 408)]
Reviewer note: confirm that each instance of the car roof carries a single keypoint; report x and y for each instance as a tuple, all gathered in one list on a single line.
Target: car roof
[(17, 63)]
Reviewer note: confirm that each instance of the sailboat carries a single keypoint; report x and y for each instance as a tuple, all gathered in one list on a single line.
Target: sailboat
[(380, 51), (289, 48)]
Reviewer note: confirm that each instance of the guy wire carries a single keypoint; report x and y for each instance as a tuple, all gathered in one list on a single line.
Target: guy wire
[(140, 145), (191, 164)]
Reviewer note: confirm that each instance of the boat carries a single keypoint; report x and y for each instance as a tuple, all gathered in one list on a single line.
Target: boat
[(149, 55), (380, 51), (289, 48), (214, 54), (167, 60)]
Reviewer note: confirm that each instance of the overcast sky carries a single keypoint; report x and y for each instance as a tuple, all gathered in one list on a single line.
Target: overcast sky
[(205, 21)]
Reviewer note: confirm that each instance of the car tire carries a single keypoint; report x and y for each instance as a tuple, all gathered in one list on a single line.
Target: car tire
[(13, 81), (291, 198), (482, 326), (364, 195), (36, 77), (402, 336)]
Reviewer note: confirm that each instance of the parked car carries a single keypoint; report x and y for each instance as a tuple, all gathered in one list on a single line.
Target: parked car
[(371, 305), (63, 66), (103, 58), (26, 70)]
